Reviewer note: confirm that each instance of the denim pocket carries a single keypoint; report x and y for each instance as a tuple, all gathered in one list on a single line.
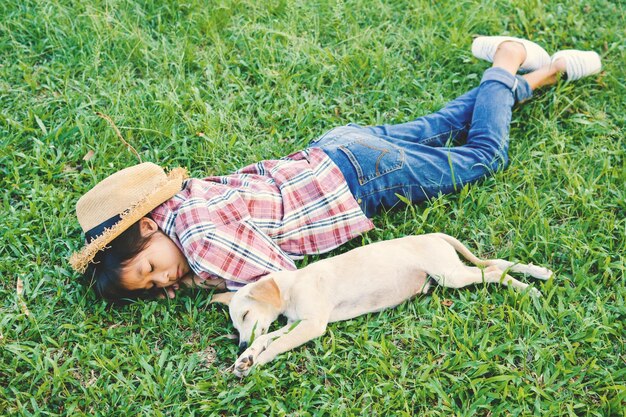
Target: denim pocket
[(372, 157)]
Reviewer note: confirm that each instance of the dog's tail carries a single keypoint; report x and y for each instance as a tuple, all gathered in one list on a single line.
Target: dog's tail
[(462, 249)]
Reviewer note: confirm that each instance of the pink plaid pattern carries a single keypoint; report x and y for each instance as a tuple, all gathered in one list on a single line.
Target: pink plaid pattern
[(258, 220)]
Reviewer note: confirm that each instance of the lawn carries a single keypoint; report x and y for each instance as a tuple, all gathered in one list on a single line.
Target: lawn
[(216, 85)]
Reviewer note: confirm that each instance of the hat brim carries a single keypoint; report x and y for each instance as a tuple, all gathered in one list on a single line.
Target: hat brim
[(80, 260)]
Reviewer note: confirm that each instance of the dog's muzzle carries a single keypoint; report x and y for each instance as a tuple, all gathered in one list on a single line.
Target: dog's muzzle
[(242, 346)]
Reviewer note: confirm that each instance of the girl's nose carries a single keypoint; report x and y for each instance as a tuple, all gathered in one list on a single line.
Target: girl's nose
[(162, 278)]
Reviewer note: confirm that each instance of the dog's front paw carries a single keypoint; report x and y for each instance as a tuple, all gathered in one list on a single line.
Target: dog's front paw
[(248, 359), (243, 365)]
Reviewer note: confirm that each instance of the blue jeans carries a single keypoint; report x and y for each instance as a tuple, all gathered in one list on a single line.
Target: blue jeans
[(415, 159)]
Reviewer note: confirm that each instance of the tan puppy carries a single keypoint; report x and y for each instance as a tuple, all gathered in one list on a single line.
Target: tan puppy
[(367, 279)]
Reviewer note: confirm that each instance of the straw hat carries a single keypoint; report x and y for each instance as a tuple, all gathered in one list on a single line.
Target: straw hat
[(118, 201)]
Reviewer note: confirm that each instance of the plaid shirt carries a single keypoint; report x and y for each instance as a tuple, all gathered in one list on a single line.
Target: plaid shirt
[(258, 220)]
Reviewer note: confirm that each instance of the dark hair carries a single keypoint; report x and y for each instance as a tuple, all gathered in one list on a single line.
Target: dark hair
[(104, 271)]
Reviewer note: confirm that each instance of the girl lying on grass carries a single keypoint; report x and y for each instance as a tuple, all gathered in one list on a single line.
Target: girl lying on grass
[(147, 231)]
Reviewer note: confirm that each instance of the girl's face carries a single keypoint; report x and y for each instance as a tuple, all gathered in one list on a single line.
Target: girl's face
[(160, 264)]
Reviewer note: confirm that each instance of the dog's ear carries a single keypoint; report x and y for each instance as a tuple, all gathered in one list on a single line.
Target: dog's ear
[(266, 291), (223, 297)]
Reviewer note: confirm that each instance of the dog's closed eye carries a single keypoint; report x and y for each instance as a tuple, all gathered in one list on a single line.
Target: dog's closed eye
[(244, 315)]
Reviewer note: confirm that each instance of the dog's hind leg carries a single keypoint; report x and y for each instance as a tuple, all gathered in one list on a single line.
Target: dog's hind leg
[(534, 271), (462, 277), (497, 275)]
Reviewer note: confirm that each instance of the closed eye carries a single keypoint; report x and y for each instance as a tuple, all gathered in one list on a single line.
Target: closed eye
[(146, 271), (244, 315)]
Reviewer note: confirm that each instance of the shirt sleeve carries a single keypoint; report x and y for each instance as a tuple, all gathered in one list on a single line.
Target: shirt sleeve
[(219, 237)]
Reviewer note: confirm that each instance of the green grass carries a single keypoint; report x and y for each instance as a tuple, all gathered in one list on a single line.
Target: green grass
[(214, 85)]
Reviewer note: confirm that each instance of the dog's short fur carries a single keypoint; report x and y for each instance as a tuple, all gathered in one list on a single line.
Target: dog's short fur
[(367, 279)]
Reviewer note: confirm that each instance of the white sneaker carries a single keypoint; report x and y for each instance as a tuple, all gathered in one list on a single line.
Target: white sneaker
[(579, 64), (484, 47)]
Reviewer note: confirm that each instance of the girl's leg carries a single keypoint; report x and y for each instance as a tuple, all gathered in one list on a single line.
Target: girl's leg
[(378, 171), (450, 124), (545, 76), (486, 149)]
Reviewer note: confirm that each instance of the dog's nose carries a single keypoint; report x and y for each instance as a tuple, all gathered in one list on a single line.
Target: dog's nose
[(242, 346)]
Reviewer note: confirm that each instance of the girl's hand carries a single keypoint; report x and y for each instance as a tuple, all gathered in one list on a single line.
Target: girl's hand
[(193, 281), (169, 291)]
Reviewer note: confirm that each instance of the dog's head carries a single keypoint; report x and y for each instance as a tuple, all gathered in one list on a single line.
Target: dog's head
[(252, 309)]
